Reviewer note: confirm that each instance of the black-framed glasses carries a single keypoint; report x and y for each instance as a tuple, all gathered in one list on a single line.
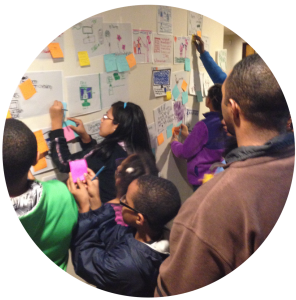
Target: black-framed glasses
[(105, 117), (122, 202)]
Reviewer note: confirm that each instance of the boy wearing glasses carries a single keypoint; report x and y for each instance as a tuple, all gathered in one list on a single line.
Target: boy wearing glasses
[(119, 259)]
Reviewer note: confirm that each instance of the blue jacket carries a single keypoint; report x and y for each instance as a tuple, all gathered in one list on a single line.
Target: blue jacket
[(108, 256)]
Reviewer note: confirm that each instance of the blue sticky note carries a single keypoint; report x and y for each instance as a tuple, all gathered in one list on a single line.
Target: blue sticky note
[(153, 151), (199, 96), (169, 131), (184, 97), (187, 65), (179, 124), (122, 64), (110, 62), (176, 92), (69, 122), (64, 107)]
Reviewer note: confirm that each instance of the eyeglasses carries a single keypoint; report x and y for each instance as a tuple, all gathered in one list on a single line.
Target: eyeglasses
[(122, 201), (105, 117)]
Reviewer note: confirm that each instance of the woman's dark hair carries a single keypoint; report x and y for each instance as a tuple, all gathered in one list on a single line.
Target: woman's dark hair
[(132, 130), (215, 95), (135, 165)]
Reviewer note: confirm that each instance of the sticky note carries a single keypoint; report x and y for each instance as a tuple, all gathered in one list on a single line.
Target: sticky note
[(176, 130), (69, 122), (83, 58), (41, 164), (176, 92), (207, 177), (198, 33), (199, 96), (169, 131), (131, 60), (179, 124), (64, 107), (168, 95), (8, 116), (27, 88), (41, 143), (153, 151), (110, 62), (160, 139), (122, 64), (184, 97), (78, 168), (184, 85), (68, 133), (55, 50), (187, 65)]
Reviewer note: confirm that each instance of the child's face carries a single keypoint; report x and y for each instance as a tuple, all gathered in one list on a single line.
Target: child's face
[(107, 127)]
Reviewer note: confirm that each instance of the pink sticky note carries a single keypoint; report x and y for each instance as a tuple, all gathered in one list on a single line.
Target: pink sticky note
[(69, 133), (78, 168)]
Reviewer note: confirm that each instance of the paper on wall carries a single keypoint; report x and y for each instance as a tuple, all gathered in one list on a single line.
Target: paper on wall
[(194, 82), (49, 87), (195, 22), (177, 80), (207, 45), (162, 49), (161, 81), (152, 135), (192, 117), (181, 49), (164, 20), (207, 83), (93, 129), (88, 36), (83, 94), (142, 45), (221, 58), (163, 116)]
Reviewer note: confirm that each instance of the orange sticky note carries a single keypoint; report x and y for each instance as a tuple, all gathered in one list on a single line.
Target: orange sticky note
[(160, 139), (83, 58), (176, 130), (8, 115), (27, 88), (131, 60), (41, 143), (168, 95), (199, 33), (41, 164), (55, 50), (184, 85)]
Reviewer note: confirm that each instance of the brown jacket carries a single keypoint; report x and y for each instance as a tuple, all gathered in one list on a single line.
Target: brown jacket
[(225, 221)]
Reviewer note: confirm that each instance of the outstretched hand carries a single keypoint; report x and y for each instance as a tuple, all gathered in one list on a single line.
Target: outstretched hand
[(56, 115), (80, 130), (199, 44)]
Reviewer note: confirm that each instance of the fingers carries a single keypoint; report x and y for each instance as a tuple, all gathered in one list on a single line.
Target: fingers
[(91, 173), (77, 121), (73, 128), (70, 184)]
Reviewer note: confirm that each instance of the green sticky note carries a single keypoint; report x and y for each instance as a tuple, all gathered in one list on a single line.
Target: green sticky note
[(110, 62), (187, 65), (122, 64), (176, 92), (169, 131), (184, 97), (199, 96)]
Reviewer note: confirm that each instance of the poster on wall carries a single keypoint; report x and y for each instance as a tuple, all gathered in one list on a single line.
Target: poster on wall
[(142, 46), (48, 86), (207, 42), (162, 49), (161, 81), (45, 53), (164, 20), (207, 83), (179, 112), (195, 22), (192, 117), (194, 82), (178, 79), (88, 36), (181, 49), (93, 128), (221, 58), (114, 87), (163, 116), (83, 94), (118, 38)]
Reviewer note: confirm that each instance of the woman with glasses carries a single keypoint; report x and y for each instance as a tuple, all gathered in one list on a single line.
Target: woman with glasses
[(124, 130)]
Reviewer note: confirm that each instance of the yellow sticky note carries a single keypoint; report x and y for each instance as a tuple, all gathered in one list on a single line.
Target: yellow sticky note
[(41, 164), (27, 88), (55, 50), (83, 58), (8, 115), (184, 85), (168, 95), (131, 60), (207, 177), (41, 143), (198, 33), (160, 139)]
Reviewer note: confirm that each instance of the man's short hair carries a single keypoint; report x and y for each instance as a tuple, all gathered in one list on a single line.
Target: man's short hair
[(157, 199), (19, 150), (255, 89)]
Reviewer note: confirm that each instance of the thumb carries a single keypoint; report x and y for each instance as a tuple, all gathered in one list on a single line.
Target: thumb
[(80, 184), (73, 128)]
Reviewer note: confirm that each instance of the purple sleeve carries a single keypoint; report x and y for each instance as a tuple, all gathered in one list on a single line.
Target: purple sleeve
[(193, 143)]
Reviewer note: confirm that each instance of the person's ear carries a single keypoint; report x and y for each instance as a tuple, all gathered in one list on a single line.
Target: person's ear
[(140, 219), (36, 159), (235, 109)]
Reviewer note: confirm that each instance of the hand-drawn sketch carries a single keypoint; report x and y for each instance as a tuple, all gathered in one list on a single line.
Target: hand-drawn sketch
[(163, 116), (164, 20), (221, 58), (93, 128), (179, 112), (207, 83), (195, 22), (207, 42), (14, 106), (161, 81), (181, 49), (118, 38), (162, 49), (177, 79), (194, 82), (45, 53), (192, 117), (142, 41), (88, 36), (84, 94)]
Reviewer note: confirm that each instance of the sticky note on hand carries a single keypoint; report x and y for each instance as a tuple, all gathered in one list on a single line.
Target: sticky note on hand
[(83, 58), (41, 143), (160, 139), (78, 168), (55, 50), (27, 88), (41, 164)]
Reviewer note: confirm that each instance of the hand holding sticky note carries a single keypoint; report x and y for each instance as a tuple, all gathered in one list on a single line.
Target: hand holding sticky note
[(78, 168)]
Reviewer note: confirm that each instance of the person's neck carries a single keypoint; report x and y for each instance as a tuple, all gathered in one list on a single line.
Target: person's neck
[(115, 201), (250, 135), (146, 235), (19, 188)]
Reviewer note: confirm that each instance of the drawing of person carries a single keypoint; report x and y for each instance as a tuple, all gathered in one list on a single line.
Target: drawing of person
[(181, 49), (135, 48), (139, 46)]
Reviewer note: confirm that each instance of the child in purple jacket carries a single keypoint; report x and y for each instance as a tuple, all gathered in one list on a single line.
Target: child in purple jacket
[(205, 144)]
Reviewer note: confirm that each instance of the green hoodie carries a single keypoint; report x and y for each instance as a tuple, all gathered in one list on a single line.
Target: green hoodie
[(51, 222)]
